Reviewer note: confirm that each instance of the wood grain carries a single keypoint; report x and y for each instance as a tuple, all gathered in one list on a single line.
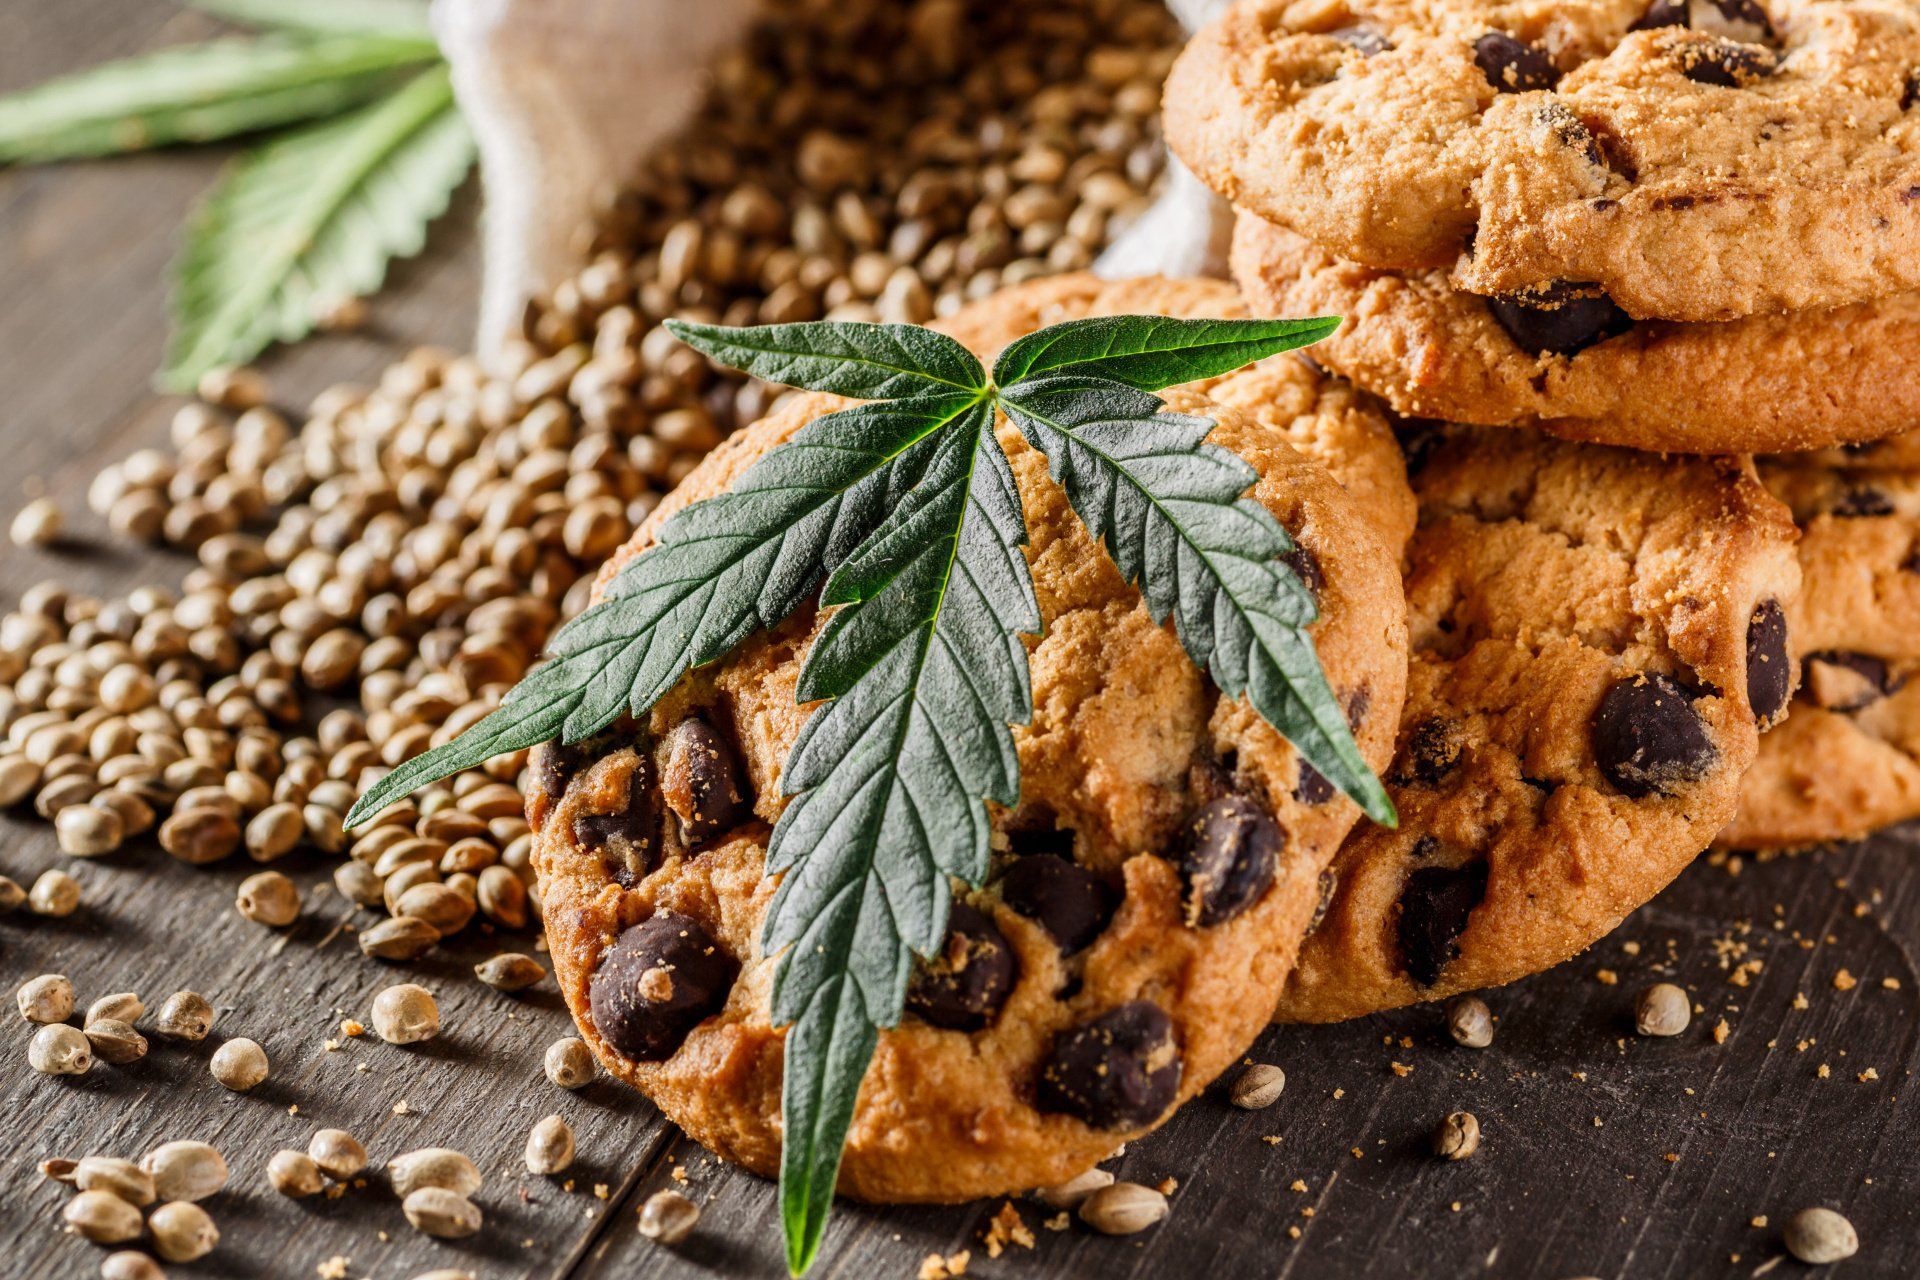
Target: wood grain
[(1604, 1154)]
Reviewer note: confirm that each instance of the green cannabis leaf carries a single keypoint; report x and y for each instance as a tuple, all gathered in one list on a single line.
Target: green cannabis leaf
[(201, 93), (313, 218), (406, 18), (902, 513)]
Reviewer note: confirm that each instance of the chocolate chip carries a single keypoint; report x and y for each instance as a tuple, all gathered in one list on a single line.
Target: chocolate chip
[(656, 983), (1735, 19), (1662, 13), (1313, 787), (1559, 317), (1119, 1070), (1570, 131), (1366, 41), (1324, 887), (702, 781), (555, 766), (1070, 902), (1306, 567), (1232, 851), (1769, 674), (1513, 66), (1860, 502), (1648, 739), (628, 839), (1433, 749), (963, 987), (1911, 94), (1054, 840), (1728, 64), (1839, 680), (1434, 905)]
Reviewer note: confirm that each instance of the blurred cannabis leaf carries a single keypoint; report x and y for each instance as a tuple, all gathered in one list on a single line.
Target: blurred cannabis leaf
[(366, 148)]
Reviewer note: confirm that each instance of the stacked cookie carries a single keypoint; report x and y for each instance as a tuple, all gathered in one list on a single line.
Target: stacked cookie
[(1607, 232)]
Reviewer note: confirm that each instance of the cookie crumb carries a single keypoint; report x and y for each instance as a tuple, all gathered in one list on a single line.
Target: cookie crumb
[(1869, 1076), (1401, 1069), (1005, 1228), (1844, 981), (334, 1268), (1721, 1031), (1607, 978)]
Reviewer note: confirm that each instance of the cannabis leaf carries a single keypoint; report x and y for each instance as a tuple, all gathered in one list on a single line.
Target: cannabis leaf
[(199, 93), (313, 218), (1170, 509), (356, 17), (907, 508)]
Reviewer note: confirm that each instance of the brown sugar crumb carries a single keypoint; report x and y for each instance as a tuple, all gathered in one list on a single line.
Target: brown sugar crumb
[(1744, 972), (1824, 1071), (1401, 1069), (1800, 1000), (1721, 1031), (1339, 1093), (1844, 981), (1759, 1220), (1006, 1227), (1298, 1184)]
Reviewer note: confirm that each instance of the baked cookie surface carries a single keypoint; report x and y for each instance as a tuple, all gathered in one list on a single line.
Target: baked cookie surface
[(1596, 637), (1698, 160), (1148, 895), (1847, 760), (1583, 370)]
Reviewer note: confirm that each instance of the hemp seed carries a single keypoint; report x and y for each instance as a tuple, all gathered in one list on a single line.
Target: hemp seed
[(338, 1153), (549, 1147), (1257, 1087), (570, 1063), (510, 971), (122, 1006), (130, 1264), (401, 938), (185, 1170), (184, 1015), (60, 1050), (116, 1177), (1662, 1010), (114, 1040), (1818, 1235), (102, 1217), (11, 894), (55, 894), (406, 1014), (294, 1174), (1123, 1209), (1458, 1136), (1470, 1022), (668, 1217), (38, 524), (1074, 1191), (239, 1064), (182, 1231), (47, 998), (84, 831), (269, 898), (441, 1167), (440, 1213)]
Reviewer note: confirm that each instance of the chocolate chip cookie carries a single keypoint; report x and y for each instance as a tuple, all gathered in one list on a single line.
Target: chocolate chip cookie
[(1148, 894), (1579, 367), (1598, 637), (1847, 760), (1686, 159)]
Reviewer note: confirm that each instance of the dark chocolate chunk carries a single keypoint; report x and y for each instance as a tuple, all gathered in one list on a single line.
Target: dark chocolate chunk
[(1769, 672), (1862, 501), (1325, 886), (1648, 739), (1434, 905), (1839, 680), (1735, 19), (1365, 40), (702, 781), (662, 978), (1120, 1070), (1306, 567), (1054, 840), (1571, 131), (1662, 13), (1070, 902), (554, 766), (1513, 66), (1559, 317), (963, 987), (1433, 749), (1728, 64), (1228, 864), (628, 839), (1313, 787)]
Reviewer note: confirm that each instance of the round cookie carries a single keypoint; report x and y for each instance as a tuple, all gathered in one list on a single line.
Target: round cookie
[(1149, 890), (1586, 624), (1583, 370), (1691, 159), (1847, 760), (1324, 418)]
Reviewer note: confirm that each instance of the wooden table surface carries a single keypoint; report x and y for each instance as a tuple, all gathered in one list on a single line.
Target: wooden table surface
[(1603, 1154)]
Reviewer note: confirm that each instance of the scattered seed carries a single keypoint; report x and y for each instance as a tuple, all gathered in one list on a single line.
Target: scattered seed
[(55, 893), (47, 998), (294, 1174), (60, 1050), (1662, 1010), (401, 938), (1258, 1087), (668, 1217), (38, 524), (102, 1217), (115, 1041), (441, 1167), (406, 1014), (239, 1064), (1123, 1209), (11, 894), (1458, 1136), (269, 898), (116, 1177), (338, 1153), (1818, 1235), (570, 1063), (184, 1015), (444, 1214), (185, 1170), (510, 971), (122, 1006), (129, 1264), (84, 831), (549, 1147), (1470, 1022), (1071, 1193), (182, 1231), (59, 1169)]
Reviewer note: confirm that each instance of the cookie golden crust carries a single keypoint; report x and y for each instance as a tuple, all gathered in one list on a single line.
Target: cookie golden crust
[(1325, 418), (1130, 751), (1764, 383), (1586, 624), (1694, 161), (1847, 760)]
